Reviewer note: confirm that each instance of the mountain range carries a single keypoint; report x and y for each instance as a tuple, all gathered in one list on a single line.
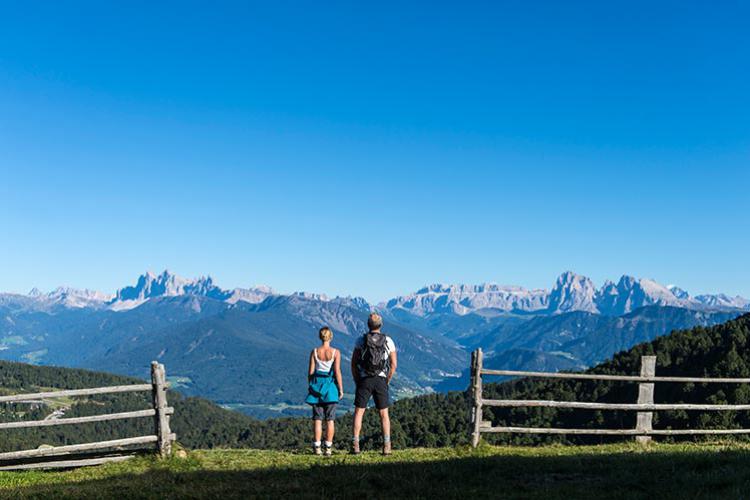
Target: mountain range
[(246, 347), (571, 292)]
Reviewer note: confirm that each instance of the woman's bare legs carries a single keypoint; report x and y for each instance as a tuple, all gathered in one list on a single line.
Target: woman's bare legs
[(330, 430), (318, 430)]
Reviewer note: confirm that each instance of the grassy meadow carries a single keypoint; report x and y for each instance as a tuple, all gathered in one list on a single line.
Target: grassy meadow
[(716, 470)]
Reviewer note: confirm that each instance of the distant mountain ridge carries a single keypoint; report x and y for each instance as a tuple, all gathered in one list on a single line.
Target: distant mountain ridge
[(571, 292)]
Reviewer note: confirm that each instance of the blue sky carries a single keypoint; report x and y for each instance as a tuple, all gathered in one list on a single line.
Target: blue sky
[(370, 149)]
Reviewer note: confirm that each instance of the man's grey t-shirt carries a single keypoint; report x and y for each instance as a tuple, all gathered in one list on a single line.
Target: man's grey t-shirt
[(390, 347)]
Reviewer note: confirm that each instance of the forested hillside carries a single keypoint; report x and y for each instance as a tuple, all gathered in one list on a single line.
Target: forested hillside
[(718, 351)]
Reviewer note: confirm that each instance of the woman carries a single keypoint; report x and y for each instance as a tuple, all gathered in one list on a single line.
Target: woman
[(325, 390)]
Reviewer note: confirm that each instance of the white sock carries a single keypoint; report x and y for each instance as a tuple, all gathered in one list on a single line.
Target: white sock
[(316, 444), (329, 444)]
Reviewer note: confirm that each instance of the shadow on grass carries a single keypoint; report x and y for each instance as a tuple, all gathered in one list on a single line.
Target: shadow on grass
[(712, 474)]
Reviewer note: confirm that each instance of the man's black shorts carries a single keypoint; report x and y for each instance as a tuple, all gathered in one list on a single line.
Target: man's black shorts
[(377, 387)]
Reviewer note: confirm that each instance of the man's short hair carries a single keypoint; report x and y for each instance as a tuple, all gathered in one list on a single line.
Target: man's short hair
[(374, 322)]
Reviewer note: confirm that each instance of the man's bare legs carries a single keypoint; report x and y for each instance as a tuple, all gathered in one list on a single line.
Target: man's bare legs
[(357, 428), (385, 424)]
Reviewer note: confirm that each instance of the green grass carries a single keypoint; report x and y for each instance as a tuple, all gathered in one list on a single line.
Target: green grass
[(612, 471)]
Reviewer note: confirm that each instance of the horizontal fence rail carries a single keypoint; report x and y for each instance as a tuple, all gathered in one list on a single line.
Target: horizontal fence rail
[(645, 405), (616, 432), (533, 403), (77, 448), (616, 378), (81, 420), (114, 450), (76, 392)]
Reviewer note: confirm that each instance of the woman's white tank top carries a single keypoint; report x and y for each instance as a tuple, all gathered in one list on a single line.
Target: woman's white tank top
[(323, 366)]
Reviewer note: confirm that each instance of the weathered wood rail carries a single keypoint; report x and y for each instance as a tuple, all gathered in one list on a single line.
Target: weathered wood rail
[(645, 405), (115, 450)]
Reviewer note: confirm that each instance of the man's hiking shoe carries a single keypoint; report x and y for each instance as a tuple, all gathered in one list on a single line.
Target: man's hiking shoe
[(328, 451), (355, 447), (317, 450), (387, 448)]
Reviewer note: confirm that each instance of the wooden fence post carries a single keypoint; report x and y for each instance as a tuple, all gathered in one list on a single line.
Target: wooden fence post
[(470, 389), (644, 419), (477, 390), (161, 419)]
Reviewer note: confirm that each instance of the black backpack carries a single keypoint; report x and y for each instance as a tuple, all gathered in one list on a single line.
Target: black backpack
[(373, 357)]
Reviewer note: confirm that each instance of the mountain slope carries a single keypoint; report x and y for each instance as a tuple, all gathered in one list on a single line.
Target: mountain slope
[(257, 354), (251, 356)]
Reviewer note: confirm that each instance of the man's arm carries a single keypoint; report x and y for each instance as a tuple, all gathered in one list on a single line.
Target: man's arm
[(394, 363), (355, 362)]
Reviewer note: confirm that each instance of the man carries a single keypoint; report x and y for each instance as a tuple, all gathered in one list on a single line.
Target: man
[(373, 366)]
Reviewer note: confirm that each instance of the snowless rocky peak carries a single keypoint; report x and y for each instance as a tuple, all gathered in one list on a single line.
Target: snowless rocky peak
[(572, 292), (254, 295), (70, 297), (723, 301), (354, 302), (321, 297), (167, 284), (678, 292), (464, 299), (631, 293)]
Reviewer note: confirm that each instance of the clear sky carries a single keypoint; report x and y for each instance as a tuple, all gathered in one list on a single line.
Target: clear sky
[(370, 149)]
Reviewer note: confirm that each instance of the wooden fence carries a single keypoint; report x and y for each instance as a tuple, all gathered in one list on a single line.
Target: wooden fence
[(115, 450), (644, 406)]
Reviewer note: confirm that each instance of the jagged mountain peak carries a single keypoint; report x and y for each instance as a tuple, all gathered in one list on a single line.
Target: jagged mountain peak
[(70, 297), (166, 284), (572, 292), (678, 292)]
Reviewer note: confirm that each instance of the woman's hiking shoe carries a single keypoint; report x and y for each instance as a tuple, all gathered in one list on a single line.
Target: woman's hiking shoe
[(355, 447), (387, 448)]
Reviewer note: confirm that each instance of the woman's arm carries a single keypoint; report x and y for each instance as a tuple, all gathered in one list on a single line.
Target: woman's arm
[(311, 366), (337, 367)]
